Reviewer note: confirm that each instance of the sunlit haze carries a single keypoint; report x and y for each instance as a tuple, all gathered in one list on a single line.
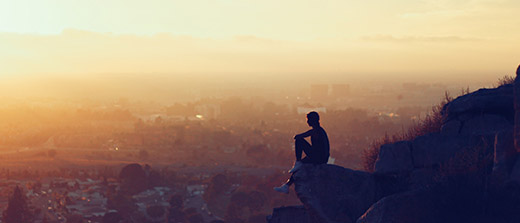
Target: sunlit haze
[(405, 39), (200, 110)]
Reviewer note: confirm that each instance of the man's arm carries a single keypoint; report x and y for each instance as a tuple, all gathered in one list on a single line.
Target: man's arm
[(304, 135)]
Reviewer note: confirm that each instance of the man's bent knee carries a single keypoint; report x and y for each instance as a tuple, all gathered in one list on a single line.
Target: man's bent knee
[(301, 141)]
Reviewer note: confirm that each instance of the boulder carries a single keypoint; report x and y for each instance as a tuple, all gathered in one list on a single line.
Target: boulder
[(422, 178), (516, 90), (515, 172), (485, 124), (407, 207), (332, 193), (394, 158), (498, 101), (504, 155), (434, 149), (517, 131), (452, 127), (517, 109), (291, 214)]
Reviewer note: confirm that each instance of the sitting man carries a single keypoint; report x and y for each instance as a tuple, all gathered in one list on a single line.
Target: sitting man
[(317, 153)]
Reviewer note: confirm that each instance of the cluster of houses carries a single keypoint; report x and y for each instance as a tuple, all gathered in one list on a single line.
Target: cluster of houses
[(53, 200)]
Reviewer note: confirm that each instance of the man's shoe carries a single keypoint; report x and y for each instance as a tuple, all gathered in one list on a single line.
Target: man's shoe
[(282, 189), (296, 167)]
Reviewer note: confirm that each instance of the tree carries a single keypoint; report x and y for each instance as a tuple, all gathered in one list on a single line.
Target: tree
[(218, 186), (17, 210), (177, 202), (133, 179), (123, 204), (257, 201), (259, 218), (112, 217), (220, 183), (176, 215), (238, 206), (155, 179), (196, 218), (75, 218), (240, 199), (155, 211)]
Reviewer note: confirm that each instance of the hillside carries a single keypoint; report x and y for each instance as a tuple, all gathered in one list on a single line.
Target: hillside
[(469, 171)]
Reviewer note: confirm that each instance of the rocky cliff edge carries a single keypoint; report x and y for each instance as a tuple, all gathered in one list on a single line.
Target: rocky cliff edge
[(426, 179)]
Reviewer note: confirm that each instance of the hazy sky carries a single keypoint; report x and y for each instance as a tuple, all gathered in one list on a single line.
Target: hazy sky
[(466, 38)]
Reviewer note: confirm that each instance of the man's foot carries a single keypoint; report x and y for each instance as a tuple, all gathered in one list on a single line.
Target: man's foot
[(296, 167), (282, 189)]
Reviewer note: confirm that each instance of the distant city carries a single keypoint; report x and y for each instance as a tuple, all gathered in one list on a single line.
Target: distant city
[(206, 159)]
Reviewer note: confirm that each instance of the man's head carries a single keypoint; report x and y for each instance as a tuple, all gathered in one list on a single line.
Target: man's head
[(313, 119)]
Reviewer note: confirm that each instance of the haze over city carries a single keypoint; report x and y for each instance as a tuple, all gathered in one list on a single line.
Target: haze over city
[(187, 110)]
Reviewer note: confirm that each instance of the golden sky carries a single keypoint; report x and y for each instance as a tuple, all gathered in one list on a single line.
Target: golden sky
[(468, 38)]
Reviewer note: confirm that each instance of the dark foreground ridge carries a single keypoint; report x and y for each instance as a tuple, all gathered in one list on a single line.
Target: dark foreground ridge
[(469, 171)]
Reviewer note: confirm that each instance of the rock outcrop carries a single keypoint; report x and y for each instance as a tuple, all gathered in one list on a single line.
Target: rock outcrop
[(480, 107), (334, 194), (515, 172), (395, 158), (478, 142), (516, 104), (408, 207), (292, 214), (504, 155), (472, 120)]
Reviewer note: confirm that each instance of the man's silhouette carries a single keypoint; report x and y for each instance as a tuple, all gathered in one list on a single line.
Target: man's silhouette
[(317, 153)]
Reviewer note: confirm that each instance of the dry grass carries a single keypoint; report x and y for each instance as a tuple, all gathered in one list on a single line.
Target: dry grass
[(462, 184), (371, 153), (430, 124), (505, 80), (470, 160)]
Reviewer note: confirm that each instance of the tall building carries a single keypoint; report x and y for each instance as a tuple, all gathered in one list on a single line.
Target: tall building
[(208, 111), (340, 90), (319, 91)]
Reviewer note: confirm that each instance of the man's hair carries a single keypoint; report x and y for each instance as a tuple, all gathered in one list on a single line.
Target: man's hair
[(313, 116)]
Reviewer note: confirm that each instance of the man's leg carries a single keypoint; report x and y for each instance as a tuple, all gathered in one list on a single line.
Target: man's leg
[(285, 187), (307, 159), (301, 145), (290, 181)]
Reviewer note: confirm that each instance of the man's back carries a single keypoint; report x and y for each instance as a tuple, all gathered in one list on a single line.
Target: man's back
[(320, 143)]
